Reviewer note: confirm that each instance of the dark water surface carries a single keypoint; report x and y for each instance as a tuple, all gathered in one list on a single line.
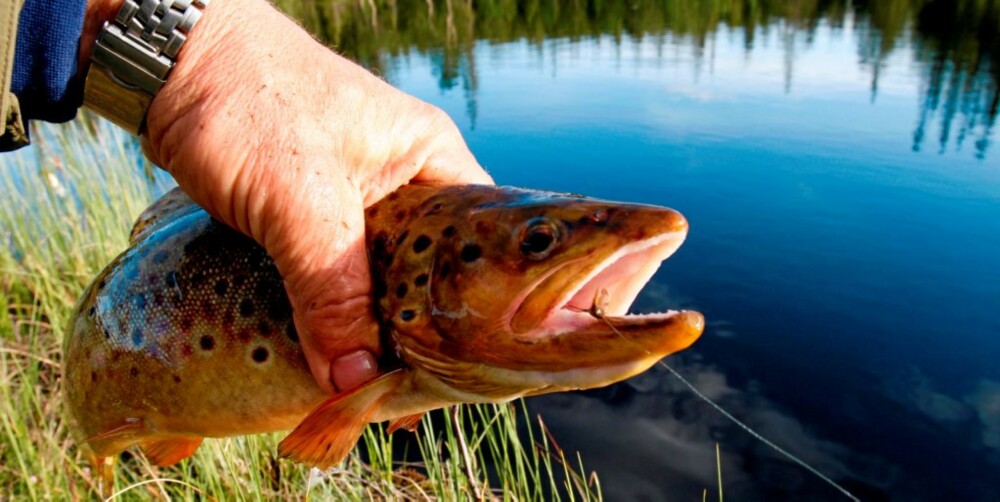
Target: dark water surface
[(835, 161)]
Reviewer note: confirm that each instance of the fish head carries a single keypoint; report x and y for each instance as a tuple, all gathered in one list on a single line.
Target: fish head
[(511, 292)]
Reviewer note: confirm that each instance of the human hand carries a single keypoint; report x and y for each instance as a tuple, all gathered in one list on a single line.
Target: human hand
[(288, 142)]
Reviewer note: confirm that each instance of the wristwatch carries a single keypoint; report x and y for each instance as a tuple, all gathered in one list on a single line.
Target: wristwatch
[(133, 55)]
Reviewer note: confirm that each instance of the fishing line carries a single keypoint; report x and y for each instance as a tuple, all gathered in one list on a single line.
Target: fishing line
[(598, 312)]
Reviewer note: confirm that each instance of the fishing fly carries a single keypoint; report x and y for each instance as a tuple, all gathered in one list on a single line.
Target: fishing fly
[(598, 309)]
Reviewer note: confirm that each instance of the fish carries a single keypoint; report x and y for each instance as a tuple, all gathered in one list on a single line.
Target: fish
[(483, 294)]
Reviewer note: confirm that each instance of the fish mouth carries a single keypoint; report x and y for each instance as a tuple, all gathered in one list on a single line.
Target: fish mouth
[(586, 331), (595, 287)]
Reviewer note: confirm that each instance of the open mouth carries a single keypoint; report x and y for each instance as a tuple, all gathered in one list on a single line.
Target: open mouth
[(611, 288), (608, 289)]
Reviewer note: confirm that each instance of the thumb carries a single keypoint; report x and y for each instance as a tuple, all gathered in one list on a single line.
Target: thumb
[(318, 244)]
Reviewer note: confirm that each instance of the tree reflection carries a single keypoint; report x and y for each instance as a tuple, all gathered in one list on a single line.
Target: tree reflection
[(955, 41)]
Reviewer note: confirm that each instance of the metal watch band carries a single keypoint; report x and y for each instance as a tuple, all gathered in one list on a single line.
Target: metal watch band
[(133, 55)]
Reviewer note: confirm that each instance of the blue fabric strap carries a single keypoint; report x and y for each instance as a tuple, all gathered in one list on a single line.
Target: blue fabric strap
[(48, 38)]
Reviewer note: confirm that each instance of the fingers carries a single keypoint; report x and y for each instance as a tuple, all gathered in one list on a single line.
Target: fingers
[(454, 166), (452, 163), (315, 234), (353, 369)]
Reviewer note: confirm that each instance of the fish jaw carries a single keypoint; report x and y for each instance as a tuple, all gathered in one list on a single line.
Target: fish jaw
[(617, 271), (569, 329)]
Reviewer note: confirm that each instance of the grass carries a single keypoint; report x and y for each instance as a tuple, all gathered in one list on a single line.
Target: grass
[(66, 209)]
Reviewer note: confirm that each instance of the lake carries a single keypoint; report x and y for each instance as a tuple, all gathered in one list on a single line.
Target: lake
[(836, 163)]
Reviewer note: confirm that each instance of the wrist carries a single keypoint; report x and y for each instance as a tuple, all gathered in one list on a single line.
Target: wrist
[(98, 11), (132, 53)]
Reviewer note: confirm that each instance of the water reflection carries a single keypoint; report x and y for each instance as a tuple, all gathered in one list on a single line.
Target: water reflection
[(955, 41), (850, 285), (673, 434)]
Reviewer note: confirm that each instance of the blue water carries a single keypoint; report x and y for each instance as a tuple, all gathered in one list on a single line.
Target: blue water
[(847, 262)]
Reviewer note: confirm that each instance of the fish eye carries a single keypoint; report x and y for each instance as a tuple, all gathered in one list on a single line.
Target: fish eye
[(538, 239)]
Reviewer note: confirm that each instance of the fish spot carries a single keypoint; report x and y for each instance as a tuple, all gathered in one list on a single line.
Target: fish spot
[(393, 196), (445, 269), (373, 212), (264, 328), (401, 290), (207, 342), (265, 288), (177, 379), (160, 257), (90, 312), (93, 376), (379, 249), (100, 285), (485, 227), (421, 280), (448, 231), (246, 307), (407, 315), (402, 237), (137, 339), (244, 336), (227, 319), (260, 354), (471, 252), (400, 215), (278, 308), (291, 333), (171, 279), (221, 286), (422, 243), (134, 371)]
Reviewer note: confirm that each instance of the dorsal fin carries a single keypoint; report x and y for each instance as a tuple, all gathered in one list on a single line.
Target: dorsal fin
[(165, 209)]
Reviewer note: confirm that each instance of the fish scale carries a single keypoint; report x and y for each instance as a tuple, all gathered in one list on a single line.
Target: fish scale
[(193, 304), (479, 291)]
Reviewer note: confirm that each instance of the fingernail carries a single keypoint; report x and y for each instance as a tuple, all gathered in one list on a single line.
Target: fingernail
[(352, 370)]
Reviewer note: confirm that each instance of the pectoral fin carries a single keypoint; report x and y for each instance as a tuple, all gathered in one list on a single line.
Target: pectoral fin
[(409, 422), (115, 439), (330, 431), (164, 452)]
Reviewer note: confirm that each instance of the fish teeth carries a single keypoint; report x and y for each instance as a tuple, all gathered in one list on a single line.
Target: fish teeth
[(645, 315)]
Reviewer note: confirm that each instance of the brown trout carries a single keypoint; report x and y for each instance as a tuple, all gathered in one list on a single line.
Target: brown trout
[(483, 294)]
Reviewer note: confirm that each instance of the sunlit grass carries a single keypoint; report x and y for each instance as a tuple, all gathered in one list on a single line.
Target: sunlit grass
[(66, 210)]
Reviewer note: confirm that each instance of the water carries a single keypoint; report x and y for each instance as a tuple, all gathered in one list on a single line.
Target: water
[(836, 165)]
